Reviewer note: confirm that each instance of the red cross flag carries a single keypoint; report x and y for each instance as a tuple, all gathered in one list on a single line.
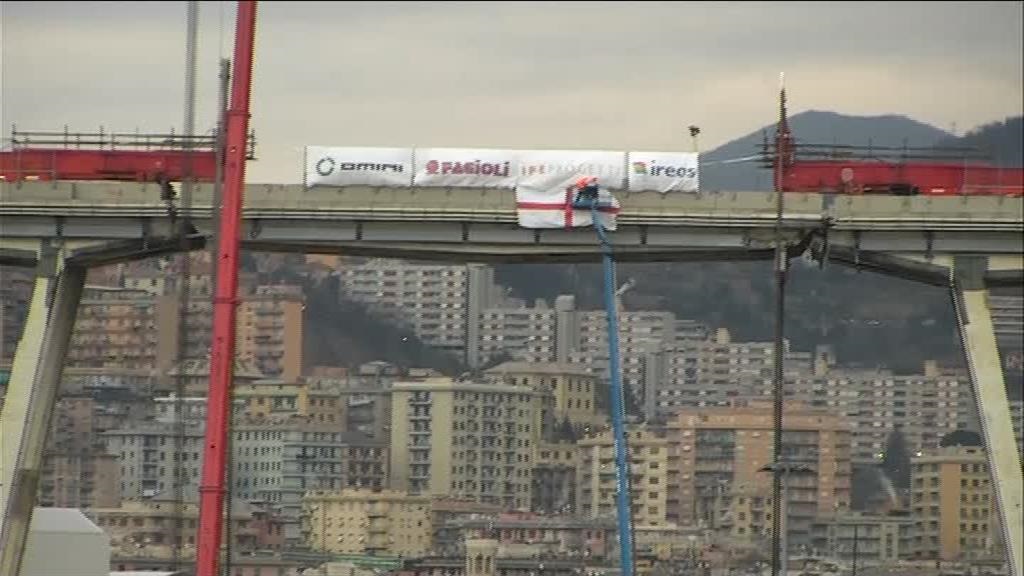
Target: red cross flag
[(546, 190), (553, 208)]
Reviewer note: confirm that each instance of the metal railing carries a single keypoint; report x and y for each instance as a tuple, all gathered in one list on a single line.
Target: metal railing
[(112, 141)]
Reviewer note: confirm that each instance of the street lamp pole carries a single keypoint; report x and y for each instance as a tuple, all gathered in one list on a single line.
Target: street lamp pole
[(782, 470)]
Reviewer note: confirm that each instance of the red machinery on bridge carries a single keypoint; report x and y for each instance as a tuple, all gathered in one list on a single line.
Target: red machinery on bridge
[(110, 156), (898, 176), (901, 171)]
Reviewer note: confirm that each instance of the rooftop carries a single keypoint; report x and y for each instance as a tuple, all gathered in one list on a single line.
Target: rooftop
[(552, 368)]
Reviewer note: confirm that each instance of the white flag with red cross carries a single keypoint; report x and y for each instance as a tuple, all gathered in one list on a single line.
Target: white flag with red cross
[(546, 188)]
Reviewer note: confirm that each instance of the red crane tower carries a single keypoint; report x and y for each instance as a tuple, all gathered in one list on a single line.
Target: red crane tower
[(211, 488)]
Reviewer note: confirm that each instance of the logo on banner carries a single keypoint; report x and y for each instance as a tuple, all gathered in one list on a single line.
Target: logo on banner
[(599, 170), (652, 168), (476, 167), (327, 166)]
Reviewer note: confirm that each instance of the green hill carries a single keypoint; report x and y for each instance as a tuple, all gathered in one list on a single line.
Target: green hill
[(1002, 142)]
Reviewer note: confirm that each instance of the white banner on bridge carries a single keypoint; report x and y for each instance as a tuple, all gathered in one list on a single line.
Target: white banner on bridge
[(664, 171), (332, 166), (475, 168), (544, 169)]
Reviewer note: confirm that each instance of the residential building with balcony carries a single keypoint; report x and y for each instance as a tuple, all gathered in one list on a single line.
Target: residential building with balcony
[(361, 521), (464, 439), (596, 474)]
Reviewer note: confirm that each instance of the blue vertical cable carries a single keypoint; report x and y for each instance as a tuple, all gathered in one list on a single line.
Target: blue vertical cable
[(622, 497)]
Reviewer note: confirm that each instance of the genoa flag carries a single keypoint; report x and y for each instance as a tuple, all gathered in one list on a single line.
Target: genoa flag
[(552, 207)]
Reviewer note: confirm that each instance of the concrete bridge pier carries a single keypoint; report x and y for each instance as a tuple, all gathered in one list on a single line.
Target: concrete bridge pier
[(977, 333), (31, 394)]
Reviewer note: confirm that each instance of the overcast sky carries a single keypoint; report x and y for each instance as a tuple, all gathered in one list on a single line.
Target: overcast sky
[(614, 76)]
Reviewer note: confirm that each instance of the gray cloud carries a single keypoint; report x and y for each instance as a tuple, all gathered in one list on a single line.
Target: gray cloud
[(519, 74)]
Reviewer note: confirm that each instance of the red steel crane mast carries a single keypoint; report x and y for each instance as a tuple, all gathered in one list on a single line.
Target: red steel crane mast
[(211, 490)]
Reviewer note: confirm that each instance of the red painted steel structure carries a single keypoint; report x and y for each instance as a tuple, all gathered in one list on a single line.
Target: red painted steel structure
[(211, 502), (910, 178), (121, 165)]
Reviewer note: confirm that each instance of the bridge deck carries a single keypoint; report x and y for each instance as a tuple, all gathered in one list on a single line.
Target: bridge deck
[(467, 223)]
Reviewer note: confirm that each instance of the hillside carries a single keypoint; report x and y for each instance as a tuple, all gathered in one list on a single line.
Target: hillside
[(1003, 142), (872, 320), (341, 332)]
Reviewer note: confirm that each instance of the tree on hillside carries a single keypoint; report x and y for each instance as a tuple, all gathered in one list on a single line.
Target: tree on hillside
[(896, 460), (566, 433), (633, 406)]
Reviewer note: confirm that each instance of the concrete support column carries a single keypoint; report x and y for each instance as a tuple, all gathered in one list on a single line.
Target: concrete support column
[(31, 394), (978, 336)]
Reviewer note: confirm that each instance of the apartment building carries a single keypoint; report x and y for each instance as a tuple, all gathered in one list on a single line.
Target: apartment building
[(523, 333), (153, 461), (716, 372), (194, 376), (554, 478), (717, 454), (115, 327), (277, 460), (190, 409), (151, 528), (640, 334), (270, 330), (464, 439), (15, 295), (373, 522), (872, 540), (923, 406), (692, 373), (527, 535), (596, 487), (366, 461), (575, 390), (76, 473), (85, 480), (1007, 309), (953, 506), (313, 399), (433, 300)]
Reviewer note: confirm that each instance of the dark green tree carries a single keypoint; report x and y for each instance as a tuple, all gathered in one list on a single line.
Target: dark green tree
[(896, 460), (632, 405), (566, 432)]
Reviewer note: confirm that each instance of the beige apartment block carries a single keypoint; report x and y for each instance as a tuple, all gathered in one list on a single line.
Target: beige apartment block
[(953, 506), (717, 455), (573, 387), (270, 325), (359, 521), (269, 328), (596, 487), (463, 439), (115, 327)]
